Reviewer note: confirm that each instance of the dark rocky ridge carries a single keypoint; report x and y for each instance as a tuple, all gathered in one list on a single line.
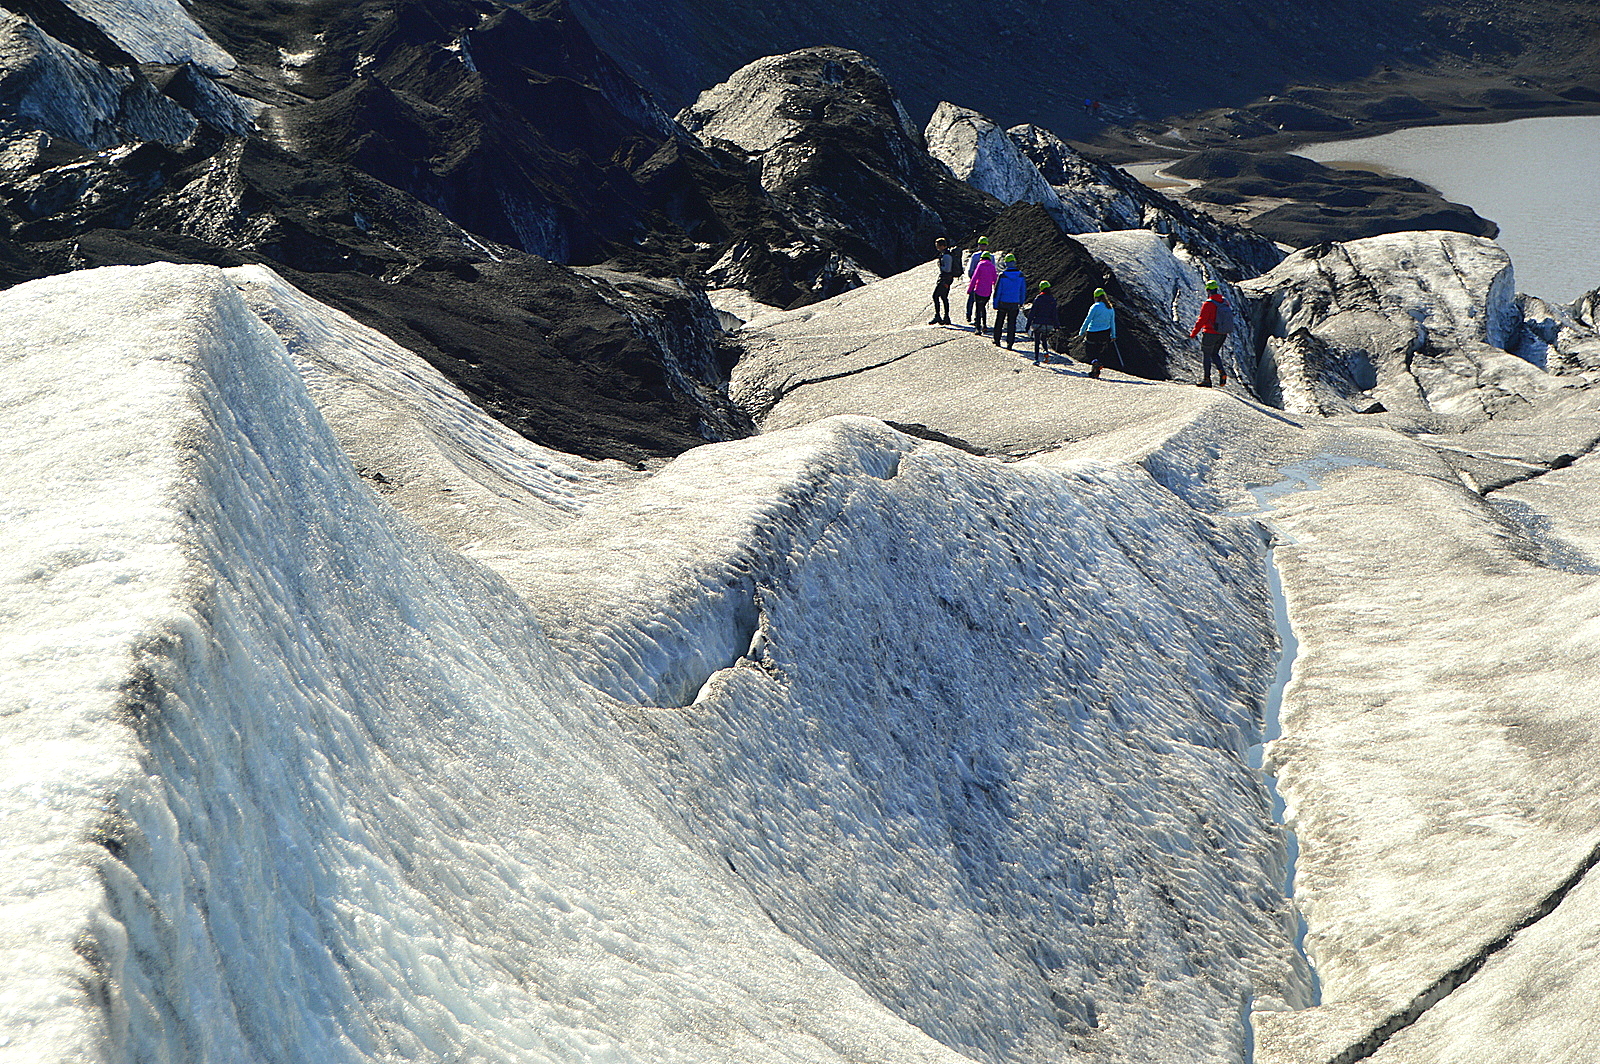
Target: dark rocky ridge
[(609, 367), (1149, 61), (403, 172), (849, 161)]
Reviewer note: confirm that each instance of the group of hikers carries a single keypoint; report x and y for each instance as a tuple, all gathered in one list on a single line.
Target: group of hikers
[(999, 280)]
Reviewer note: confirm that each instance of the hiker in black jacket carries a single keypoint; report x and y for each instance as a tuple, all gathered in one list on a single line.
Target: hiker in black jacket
[(1043, 320), (949, 270)]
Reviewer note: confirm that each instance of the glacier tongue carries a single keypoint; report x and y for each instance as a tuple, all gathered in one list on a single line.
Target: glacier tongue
[(339, 723), (951, 766)]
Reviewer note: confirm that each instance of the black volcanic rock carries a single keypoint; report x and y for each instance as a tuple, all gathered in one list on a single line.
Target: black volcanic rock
[(1045, 253), (1331, 204), (835, 146), (1023, 61), (607, 366), (499, 116)]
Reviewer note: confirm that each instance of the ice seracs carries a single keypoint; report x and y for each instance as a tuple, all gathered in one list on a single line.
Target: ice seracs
[(155, 31), (982, 154), (53, 87), (1421, 322)]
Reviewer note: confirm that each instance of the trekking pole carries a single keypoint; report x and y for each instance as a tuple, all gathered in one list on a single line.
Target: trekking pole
[(1123, 366)]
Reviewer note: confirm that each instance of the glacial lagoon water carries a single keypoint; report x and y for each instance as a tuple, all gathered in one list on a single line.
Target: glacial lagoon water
[(1538, 178)]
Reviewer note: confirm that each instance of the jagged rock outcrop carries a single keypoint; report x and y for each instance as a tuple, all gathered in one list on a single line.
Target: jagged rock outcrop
[(1029, 164), (835, 146), (982, 154), (1423, 323)]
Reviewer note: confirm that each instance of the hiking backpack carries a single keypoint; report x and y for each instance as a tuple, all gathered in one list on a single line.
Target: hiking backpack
[(1226, 322)]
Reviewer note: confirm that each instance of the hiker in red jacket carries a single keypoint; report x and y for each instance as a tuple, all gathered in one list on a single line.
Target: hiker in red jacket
[(1213, 326)]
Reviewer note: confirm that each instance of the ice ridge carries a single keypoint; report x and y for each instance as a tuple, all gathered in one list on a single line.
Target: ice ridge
[(959, 763)]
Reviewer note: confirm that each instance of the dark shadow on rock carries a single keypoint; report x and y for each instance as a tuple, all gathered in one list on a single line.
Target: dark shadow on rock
[(1045, 253)]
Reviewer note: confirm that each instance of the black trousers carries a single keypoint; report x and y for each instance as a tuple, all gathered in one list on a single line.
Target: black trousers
[(1097, 346), (1211, 354), (978, 311), (941, 298), (1005, 317)]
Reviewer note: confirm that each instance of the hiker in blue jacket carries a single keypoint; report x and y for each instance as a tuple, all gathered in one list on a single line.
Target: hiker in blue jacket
[(1010, 289), (1099, 331)]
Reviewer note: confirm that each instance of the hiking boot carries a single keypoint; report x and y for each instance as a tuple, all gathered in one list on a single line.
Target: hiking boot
[(1222, 379), (1095, 371), (1206, 383)]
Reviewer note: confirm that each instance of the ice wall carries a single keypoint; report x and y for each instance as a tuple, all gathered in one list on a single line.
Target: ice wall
[(952, 765)]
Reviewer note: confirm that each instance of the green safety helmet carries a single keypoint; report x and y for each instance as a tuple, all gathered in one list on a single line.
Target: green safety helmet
[(986, 255), (1100, 293), (1212, 286), (1043, 285), (1011, 258), (983, 240)]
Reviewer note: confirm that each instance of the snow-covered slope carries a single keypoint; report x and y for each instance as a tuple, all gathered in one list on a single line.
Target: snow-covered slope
[(343, 725), (288, 779)]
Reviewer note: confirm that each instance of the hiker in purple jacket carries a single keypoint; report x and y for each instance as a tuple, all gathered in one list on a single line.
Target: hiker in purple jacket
[(982, 287)]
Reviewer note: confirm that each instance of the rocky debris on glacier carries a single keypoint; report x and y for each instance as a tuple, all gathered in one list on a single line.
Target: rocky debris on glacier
[(1028, 164), (623, 797), (1421, 323), (835, 146), (113, 162), (1323, 202)]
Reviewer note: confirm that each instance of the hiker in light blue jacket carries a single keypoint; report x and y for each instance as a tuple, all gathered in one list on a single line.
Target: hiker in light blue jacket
[(1099, 331)]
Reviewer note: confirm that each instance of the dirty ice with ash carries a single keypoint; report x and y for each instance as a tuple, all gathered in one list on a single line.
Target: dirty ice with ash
[(342, 724)]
